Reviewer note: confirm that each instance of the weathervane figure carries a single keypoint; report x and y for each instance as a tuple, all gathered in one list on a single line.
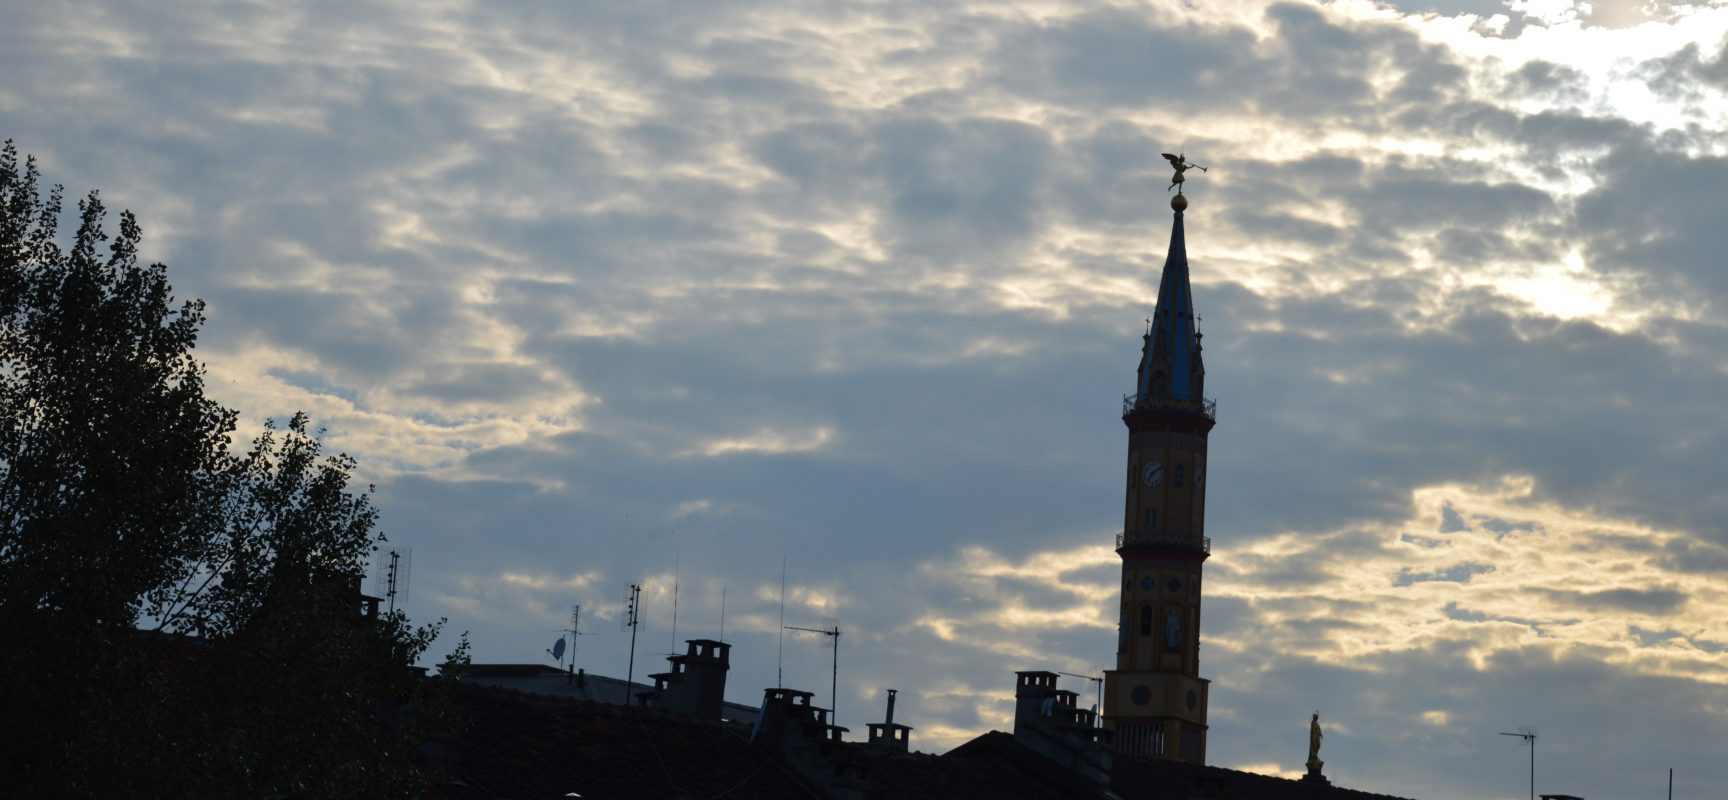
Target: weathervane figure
[(1181, 163)]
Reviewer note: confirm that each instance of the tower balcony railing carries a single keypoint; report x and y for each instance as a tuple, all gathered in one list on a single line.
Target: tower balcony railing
[(1205, 406), (1165, 538)]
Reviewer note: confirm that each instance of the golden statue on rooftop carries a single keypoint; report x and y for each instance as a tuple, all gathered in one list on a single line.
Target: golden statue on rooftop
[(1314, 737), (1181, 163)]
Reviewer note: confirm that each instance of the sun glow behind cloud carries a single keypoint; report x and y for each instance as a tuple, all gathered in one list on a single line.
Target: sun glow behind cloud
[(1557, 288), (850, 286), (1482, 569), (771, 442)]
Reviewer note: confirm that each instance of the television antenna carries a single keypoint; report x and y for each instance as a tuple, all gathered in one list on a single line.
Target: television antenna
[(780, 658), (632, 619), (1528, 734), (830, 629), (390, 572), (575, 630), (1097, 683), (675, 565)]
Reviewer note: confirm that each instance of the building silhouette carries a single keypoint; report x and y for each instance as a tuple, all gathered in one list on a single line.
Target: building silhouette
[(535, 731)]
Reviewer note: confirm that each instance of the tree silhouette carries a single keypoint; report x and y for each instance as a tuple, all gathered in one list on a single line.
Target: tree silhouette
[(176, 619)]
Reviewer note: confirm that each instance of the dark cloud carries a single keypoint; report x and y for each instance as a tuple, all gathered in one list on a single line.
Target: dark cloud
[(1309, 68), (1655, 215), (947, 189), (1678, 76), (1642, 601), (1502, 527), (1460, 573), (1289, 228), (968, 188), (1411, 200), (1687, 555), (1548, 81), (1551, 141), (1481, 8), (1111, 176), (1476, 246), (1121, 58)]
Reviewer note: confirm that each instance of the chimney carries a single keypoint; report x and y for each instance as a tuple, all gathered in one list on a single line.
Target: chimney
[(1031, 689), (696, 684), (889, 736), (1050, 721), (809, 745)]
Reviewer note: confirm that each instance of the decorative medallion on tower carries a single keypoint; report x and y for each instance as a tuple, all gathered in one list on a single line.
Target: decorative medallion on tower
[(1155, 699)]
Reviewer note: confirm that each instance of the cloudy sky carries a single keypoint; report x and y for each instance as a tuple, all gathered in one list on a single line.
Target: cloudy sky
[(608, 292)]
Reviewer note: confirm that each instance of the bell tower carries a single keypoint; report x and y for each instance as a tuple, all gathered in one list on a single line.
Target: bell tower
[(1155, 699)]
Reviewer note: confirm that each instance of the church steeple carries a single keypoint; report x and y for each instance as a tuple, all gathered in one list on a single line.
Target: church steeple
[(1155, 700), (1171, 370)]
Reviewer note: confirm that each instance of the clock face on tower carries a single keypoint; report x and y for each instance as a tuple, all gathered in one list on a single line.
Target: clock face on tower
[(1154, 701)]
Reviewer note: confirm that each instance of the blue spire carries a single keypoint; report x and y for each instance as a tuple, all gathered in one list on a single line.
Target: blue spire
[(1170, 365)]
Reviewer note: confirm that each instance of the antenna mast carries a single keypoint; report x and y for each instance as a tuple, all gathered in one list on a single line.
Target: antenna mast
[(833, 632), (395, 564), (632, 612), (780, 660), (1528, 734), (557, 649), (1098, 682), (392, 576), (575, 634), (675, 560)]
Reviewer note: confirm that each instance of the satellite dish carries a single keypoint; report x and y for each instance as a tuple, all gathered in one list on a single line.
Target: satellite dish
[(558, 649)]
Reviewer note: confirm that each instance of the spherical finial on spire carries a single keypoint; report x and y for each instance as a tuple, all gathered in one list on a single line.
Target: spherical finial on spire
[(1179, 203)]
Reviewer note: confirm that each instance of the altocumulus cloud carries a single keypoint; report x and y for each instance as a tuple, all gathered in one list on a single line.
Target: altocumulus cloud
[(622, 292)]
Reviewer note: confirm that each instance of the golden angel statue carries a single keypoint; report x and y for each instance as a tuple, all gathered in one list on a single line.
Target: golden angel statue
[(1181, 164)]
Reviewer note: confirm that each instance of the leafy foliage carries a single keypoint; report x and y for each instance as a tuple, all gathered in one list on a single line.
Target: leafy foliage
[(256, 671)]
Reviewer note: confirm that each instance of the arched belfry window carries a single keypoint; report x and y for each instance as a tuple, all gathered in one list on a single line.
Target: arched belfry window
[(1146, 620), (1158, 384), (1177, 477)]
